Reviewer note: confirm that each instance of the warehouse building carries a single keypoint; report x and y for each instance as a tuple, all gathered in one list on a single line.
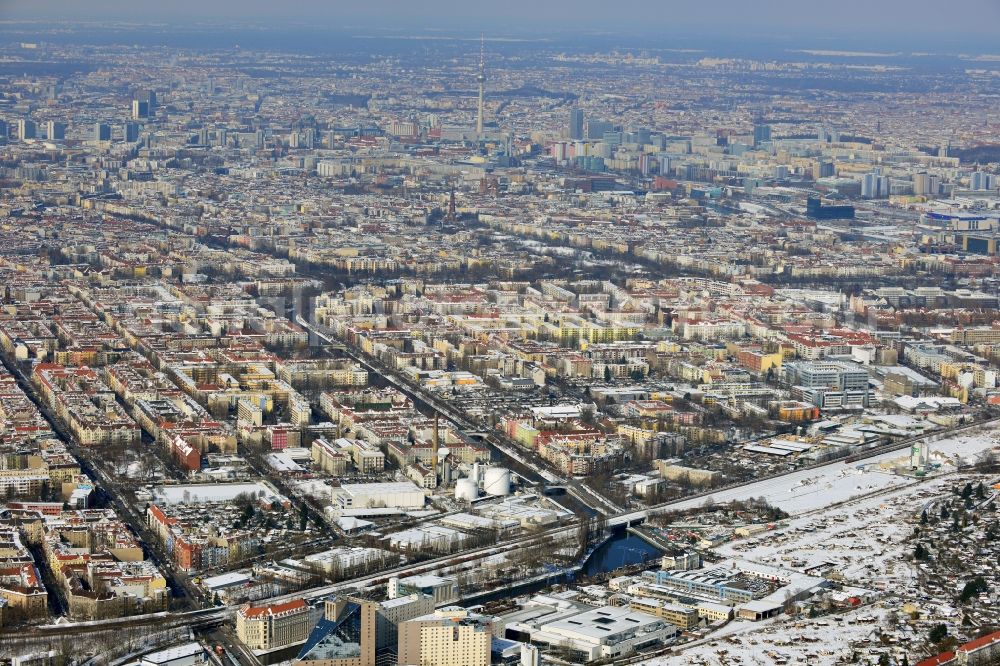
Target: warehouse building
[(398, 494)]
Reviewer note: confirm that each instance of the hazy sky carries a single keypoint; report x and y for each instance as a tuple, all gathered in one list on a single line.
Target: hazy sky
[(893, 18)]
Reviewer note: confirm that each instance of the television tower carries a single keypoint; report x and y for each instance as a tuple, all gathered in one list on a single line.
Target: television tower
[(481, 78)]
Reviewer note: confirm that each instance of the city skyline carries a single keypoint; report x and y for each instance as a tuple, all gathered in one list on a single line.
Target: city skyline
[(892, 20)]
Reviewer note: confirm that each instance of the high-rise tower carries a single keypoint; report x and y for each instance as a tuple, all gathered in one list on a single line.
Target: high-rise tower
[(481, 78)]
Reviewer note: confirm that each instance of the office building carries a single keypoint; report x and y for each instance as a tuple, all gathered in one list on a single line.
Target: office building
[(304, 139), (982, 181), (275, 626), (817, 210), (130, 132), (144, 104), (26, 129), (828, 136), (869, 186), (576, 124), (530, 655), (344, 636), (597, 128), (55, 131), (829, 384), (684, 617), (716, 585), (140, 109), (102, 132), (639, 135), (926, 184), (392, 612), (448, 637), (761, 133), (442, 589), (874, 185), (829, 374)]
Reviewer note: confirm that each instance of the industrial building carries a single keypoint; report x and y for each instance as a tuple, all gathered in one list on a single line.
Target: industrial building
[(393, 494), (604, 632)]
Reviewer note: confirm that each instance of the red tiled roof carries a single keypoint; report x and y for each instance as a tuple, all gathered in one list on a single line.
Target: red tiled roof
[(260, 611), (161, 517), (937, 660), (979, 643)]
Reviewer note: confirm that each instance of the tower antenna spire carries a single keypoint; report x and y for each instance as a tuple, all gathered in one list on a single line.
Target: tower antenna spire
[(481, 78)]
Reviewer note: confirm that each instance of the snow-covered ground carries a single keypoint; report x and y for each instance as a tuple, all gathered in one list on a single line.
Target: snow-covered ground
[(855, 520), (862, 539), (821, 641), (824, 489), (813, 489)]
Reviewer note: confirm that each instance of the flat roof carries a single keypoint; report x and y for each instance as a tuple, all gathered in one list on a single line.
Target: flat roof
[(767, 449), (604, 622), (173, 653), (399, 601), (789, 445), (282, 462), (381, 487), (760, 606), (349, 523), (225, 580)]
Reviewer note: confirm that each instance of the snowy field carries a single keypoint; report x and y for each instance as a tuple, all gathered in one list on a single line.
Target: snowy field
[(823, 488), (204, 493), (863, 539), (809, 490)]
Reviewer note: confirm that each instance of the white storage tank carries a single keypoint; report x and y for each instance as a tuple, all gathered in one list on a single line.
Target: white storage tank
[(466, 490), (496, 481)]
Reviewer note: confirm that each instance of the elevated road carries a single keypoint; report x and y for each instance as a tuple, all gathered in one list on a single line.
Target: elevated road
[(206, 617)]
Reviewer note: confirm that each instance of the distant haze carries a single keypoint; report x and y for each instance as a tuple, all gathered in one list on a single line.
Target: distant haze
[(897, 21)]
